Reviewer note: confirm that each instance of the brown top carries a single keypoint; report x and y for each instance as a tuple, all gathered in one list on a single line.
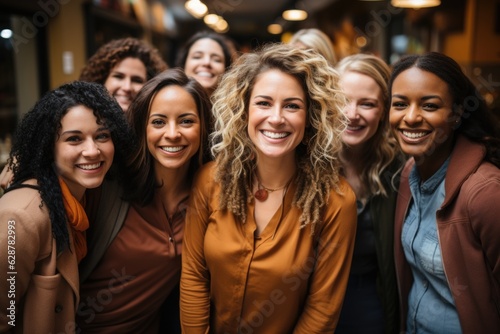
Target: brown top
[(283, 281), (140, 268)]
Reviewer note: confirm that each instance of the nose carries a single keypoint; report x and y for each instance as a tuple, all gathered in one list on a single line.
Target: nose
[(276, 116), (351, 110), (412, 114), (206, 60), (91, 149), (126, 84), (171, 131)]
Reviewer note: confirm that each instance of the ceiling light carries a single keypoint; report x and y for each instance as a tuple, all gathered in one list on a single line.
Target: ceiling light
[(294, 15), (196, 8), (221, 26), (274, 29), (211, 19), (415, 3), (6, 33)]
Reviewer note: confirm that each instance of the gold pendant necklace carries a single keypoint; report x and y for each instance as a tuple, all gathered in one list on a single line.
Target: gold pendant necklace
[(263, 192)]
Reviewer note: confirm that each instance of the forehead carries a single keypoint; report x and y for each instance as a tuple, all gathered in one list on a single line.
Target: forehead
[(277, 80), (206, 45), (417, 81)]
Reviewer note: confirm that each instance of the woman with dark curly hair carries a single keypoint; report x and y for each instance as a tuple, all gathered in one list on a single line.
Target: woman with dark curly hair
[(447, 215), (123, 66), (206, 56), (270, 225), (64, 145)]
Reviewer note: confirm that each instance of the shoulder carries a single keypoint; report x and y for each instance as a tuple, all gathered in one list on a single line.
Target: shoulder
[(341, 199), (484, 181), (205, 174), (23, 208)]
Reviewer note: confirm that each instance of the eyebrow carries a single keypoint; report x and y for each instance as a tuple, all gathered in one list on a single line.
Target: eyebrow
[(181, 115), (69, 132), (423, 98), (287, 99)]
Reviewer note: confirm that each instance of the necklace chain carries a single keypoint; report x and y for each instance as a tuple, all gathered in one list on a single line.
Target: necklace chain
[(263, 192)]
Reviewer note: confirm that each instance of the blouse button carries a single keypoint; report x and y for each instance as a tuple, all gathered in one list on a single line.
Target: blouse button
[(58, 308), (170, 239)]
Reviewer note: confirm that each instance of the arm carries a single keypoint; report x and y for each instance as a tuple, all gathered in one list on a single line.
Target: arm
[(483, 210), (20, 242), (195, 278), (328, 282)]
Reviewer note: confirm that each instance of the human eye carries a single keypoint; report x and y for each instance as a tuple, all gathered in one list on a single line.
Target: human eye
[(368, 104), (263, 103), (103, 136), (293, 106), (117, 75), (430, 106), (138, 80), (217, 59), (157, 122), (187, 121), (398, 105), (73, 139)]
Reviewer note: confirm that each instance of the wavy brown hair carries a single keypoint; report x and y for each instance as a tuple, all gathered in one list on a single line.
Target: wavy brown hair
[(109, 55), (317, 156)]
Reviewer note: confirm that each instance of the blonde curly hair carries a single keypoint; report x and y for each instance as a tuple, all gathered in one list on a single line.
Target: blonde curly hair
[(317, 156), (383, 148)]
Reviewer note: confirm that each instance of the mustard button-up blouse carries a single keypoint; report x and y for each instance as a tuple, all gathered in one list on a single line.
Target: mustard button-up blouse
[(284, 281)]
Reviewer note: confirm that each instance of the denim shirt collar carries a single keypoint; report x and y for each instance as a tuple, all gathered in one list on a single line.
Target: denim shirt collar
[(429, 186)]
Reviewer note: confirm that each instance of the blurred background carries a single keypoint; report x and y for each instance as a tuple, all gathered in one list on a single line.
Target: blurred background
[(45, 43)]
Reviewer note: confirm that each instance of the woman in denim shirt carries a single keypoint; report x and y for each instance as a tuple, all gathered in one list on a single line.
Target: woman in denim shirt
[(446, 237)]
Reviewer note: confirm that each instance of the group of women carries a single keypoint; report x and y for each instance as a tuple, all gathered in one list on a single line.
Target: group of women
[(305, 199)]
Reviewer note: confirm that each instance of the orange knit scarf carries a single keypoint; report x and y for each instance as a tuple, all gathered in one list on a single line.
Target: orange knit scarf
[(77, 219)]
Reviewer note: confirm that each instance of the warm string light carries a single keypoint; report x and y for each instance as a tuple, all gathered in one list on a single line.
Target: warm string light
[(415, 3), (199, 10)]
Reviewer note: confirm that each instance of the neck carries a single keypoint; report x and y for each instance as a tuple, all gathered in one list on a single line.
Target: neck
[(275, 174), (175, 184), (353, 159)]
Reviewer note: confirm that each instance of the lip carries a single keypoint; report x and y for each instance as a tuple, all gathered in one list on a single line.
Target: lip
[(275, 135), (173, 150), (91, 167), (205, 74), (414, 136), (357, 128)]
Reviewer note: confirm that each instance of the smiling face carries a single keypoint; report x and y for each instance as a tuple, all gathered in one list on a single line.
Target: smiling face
[(421, 116), (277, 115), (173, 128), (205, 62), (125, 80), (364, 109), (83, 150)]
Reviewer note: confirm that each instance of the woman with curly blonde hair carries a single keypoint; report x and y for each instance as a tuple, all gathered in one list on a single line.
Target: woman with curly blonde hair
[(123, 66), (371, 161), (271, 223)]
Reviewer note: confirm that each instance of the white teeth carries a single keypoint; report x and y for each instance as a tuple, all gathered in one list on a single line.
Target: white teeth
[(275, 135), (354, 128), (172, 149), (205, 74), (414, 135), (89, 167)]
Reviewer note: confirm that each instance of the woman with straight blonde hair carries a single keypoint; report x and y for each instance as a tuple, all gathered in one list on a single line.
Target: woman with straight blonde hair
[(370, 162)]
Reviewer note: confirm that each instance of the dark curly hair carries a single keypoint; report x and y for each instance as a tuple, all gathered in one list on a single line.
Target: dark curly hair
[(32, 154), (142, 182), (476, 120), (107, 56)]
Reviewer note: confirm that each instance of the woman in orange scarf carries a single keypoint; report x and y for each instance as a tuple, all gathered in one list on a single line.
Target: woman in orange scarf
[(65, 145)]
